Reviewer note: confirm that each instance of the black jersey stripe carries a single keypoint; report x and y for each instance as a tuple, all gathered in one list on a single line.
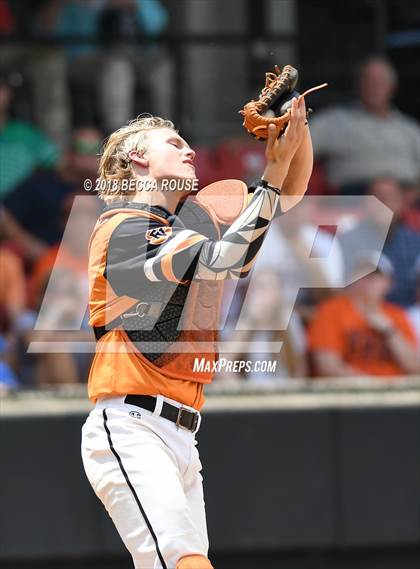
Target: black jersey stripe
[(133, 491)]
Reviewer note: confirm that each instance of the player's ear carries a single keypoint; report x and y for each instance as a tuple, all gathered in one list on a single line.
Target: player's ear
[(137, 159)]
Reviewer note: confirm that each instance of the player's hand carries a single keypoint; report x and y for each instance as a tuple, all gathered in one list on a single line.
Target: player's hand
[(285, 146), (281, 149)]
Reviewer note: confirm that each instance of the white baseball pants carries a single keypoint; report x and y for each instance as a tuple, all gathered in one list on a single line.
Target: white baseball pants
[(146, 472)]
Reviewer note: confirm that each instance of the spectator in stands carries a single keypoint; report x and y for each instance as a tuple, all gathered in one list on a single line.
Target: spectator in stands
[(261, 327), (369, 138), (414, 309), (23, 147), (34, 209), (70, 253), (359, 333), (12, 307), (63, 268), (38, 69), (296, 248), (8, 378), (105, 75), (12, 287), (401, 245)]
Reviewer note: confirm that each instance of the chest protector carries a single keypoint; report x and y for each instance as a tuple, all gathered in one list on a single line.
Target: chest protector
[(173, 325)]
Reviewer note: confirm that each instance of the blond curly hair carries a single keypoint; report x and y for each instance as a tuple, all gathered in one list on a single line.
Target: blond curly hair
[(115, 163)]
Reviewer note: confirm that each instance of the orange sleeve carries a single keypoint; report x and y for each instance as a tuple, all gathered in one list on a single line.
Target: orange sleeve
[(325, 332)]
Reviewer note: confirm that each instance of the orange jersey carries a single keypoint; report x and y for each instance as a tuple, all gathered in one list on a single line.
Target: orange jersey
[(338, 326), (137, 254), (155, 291)]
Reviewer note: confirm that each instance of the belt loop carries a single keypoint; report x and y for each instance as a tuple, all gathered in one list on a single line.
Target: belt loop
[(159, 404), (198, 423)]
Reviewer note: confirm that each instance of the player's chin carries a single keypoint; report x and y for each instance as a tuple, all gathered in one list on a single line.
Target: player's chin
[(189, 171)]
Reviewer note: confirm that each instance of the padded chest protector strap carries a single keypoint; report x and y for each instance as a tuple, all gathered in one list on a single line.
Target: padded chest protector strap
[(227, 199)]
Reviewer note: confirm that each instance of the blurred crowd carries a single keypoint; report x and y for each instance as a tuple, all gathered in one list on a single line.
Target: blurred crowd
[(337, 283)]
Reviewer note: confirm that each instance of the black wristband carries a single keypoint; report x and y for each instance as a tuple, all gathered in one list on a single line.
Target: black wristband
[(265, 184)]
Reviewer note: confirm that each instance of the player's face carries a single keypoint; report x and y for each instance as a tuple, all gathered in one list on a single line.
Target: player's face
[(169, 155)]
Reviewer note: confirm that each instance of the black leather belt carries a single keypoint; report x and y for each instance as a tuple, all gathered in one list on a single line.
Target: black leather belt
[(179, 415)]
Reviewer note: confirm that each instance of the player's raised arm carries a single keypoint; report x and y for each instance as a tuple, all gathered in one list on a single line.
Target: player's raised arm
[(300, 170), (297, 139), (232, 256)]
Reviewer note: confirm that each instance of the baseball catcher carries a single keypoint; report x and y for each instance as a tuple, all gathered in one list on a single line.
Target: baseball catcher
[(157, 262)]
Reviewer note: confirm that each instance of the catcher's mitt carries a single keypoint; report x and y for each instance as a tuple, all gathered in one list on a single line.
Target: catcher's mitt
[(274, 102)]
